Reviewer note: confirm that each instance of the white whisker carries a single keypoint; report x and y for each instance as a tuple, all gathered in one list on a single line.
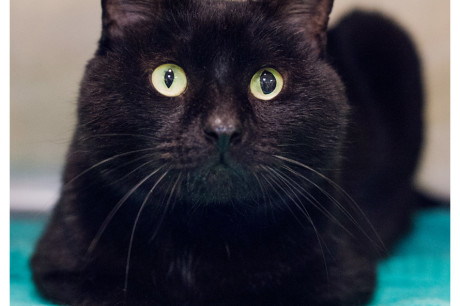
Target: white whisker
[(105, 161), (115, 210), (135, 225), (118, 135), (313, 201), (304, 211), (347, 196)]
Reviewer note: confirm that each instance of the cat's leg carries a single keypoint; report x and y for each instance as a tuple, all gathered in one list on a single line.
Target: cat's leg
[(55, 261), (59, 269), (64, 273)]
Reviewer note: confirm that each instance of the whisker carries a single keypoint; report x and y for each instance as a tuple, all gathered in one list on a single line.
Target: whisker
[(132, 171), (304, 211), (347, 196), (273, 179), (313, 201), (327, 194), (277, 175), (105, 161), (131, 239), (177, 183), (294, 144), (115, 210), (336, 202), (269, 179), (117, 135), (165, 210), (263, 192)]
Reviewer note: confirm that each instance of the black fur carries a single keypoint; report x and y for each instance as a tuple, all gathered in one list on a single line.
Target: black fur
[(154, 212)]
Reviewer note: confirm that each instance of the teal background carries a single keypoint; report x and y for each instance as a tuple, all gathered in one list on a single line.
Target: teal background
[(417, 273)]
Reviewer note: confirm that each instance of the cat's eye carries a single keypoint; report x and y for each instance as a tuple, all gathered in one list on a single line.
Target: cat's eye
[(266, 84), (169, 80)]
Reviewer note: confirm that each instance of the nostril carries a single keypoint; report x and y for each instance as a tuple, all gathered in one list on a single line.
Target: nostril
[(235, 136), (211, 134), (223, 135)]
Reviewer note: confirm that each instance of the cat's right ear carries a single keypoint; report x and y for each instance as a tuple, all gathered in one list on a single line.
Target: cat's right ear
[(118, 15), (308, 17)]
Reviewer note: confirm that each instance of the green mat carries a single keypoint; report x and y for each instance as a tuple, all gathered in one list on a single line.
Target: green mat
[(418, 273)]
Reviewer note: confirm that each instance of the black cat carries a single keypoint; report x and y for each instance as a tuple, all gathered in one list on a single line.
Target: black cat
[(235, 153)]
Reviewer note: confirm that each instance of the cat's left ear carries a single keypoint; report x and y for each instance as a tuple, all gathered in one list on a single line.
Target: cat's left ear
[(309, 17), (117, 15)]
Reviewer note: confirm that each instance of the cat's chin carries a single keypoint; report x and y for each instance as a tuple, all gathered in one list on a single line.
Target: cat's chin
[(220, 184)]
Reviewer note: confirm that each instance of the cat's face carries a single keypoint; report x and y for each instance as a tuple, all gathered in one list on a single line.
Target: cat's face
[(244, 84)]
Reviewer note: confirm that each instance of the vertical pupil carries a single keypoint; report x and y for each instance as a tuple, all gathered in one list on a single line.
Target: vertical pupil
[(169, 77), (267, 82)]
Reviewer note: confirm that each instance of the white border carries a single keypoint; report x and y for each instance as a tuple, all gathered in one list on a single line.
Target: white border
[(5, 151), (455, 127)]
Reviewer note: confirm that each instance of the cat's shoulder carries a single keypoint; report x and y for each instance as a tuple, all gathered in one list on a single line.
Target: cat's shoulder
[(372, 38)]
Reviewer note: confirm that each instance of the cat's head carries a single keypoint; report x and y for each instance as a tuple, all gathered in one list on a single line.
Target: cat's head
[(222, 96)]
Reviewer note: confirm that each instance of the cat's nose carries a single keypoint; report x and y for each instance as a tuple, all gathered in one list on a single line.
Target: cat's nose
[(223, 132)]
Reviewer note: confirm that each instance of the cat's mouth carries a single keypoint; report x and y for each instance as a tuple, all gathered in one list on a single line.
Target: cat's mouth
[(217, 183)]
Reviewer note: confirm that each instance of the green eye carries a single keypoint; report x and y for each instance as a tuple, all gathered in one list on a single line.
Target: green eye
[(169, 80), (266, 84)]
